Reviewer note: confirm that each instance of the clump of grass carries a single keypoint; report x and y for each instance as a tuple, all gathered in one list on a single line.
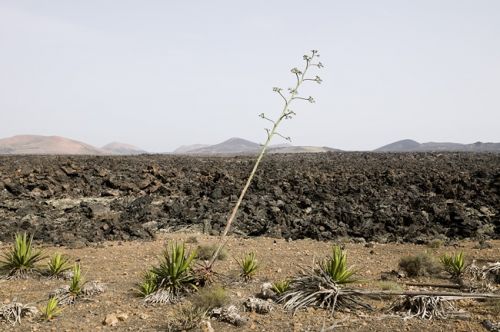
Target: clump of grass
[(389, 286), (206, 252), (419, 265), (454, 264), (51, 309), (57, 265), (280, 286), (248, 266), (210, 298), (22, 258), (335, 266), (192, 239), (172, 277)]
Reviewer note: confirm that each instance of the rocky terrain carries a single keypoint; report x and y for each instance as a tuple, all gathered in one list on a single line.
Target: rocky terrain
[(412, 197)]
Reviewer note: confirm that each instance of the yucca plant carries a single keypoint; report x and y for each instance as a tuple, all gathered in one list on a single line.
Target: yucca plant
[(335, 266), (58, 264), (454, 264), (174, 274), (21, 258), (51, 309), (77, 281), (248, 266), (148, 285), (281, 286)]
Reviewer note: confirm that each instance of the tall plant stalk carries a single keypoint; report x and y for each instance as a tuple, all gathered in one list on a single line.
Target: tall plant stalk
[(286, 114)]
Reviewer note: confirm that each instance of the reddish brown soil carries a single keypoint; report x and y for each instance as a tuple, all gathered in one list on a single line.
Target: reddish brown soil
[(121, 265)]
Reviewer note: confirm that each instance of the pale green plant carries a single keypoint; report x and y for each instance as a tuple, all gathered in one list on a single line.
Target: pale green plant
[(58, 264), (248, 266), (51, 309), (454, 264), (280, 286), (335, 266), (22, 258), (77, 281), (286, 113), (148, 285)]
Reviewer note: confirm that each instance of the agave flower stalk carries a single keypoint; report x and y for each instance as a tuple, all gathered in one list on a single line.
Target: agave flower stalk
[(285, 114)]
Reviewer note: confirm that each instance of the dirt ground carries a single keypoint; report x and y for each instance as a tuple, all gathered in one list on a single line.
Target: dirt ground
[(120, 265)]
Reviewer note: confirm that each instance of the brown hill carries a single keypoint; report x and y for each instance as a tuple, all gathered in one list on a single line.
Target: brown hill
[(37, 144)]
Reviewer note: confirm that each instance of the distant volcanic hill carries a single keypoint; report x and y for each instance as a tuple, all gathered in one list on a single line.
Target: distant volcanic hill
[(37, 144), (122, 149), (236, 146), (408, 145)]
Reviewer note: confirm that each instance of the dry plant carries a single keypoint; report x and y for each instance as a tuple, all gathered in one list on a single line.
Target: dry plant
[(419, 265), (13, 312), (423, 306), (286, 113)]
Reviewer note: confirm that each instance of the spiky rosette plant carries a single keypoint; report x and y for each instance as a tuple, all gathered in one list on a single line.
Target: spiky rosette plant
[(454, 264), (322, 286), (293, 95), (22, 258), (173, 276)]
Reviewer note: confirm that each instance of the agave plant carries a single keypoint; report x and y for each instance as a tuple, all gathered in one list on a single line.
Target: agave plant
[(248, 266), (454, 264), (173, 276), (21, 258), (77, 281), (148, 285), (322, 287), (51, 309), (335, 266), (58, 264), (281, 286)]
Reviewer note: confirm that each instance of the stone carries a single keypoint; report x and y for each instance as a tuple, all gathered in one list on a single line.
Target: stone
[(110, 320)]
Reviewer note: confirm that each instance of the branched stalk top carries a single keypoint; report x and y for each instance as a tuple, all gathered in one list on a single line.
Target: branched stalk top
[(311, 60)]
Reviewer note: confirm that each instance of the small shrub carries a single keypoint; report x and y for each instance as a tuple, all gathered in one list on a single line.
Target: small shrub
[(435, 244), (148, 285), (206, 252), (77, 281), (389, 286), (419, 265), (249, 266), (336, 268), (281, 286), (192, 239), (51, 309), (21, 259), (58, 264), (210, 298), (454, 264), (187, 317)]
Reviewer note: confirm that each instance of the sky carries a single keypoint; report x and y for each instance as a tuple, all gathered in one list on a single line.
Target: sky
[(160, 74)]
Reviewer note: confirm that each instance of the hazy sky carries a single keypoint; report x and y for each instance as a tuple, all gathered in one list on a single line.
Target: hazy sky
[(159, 74)]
